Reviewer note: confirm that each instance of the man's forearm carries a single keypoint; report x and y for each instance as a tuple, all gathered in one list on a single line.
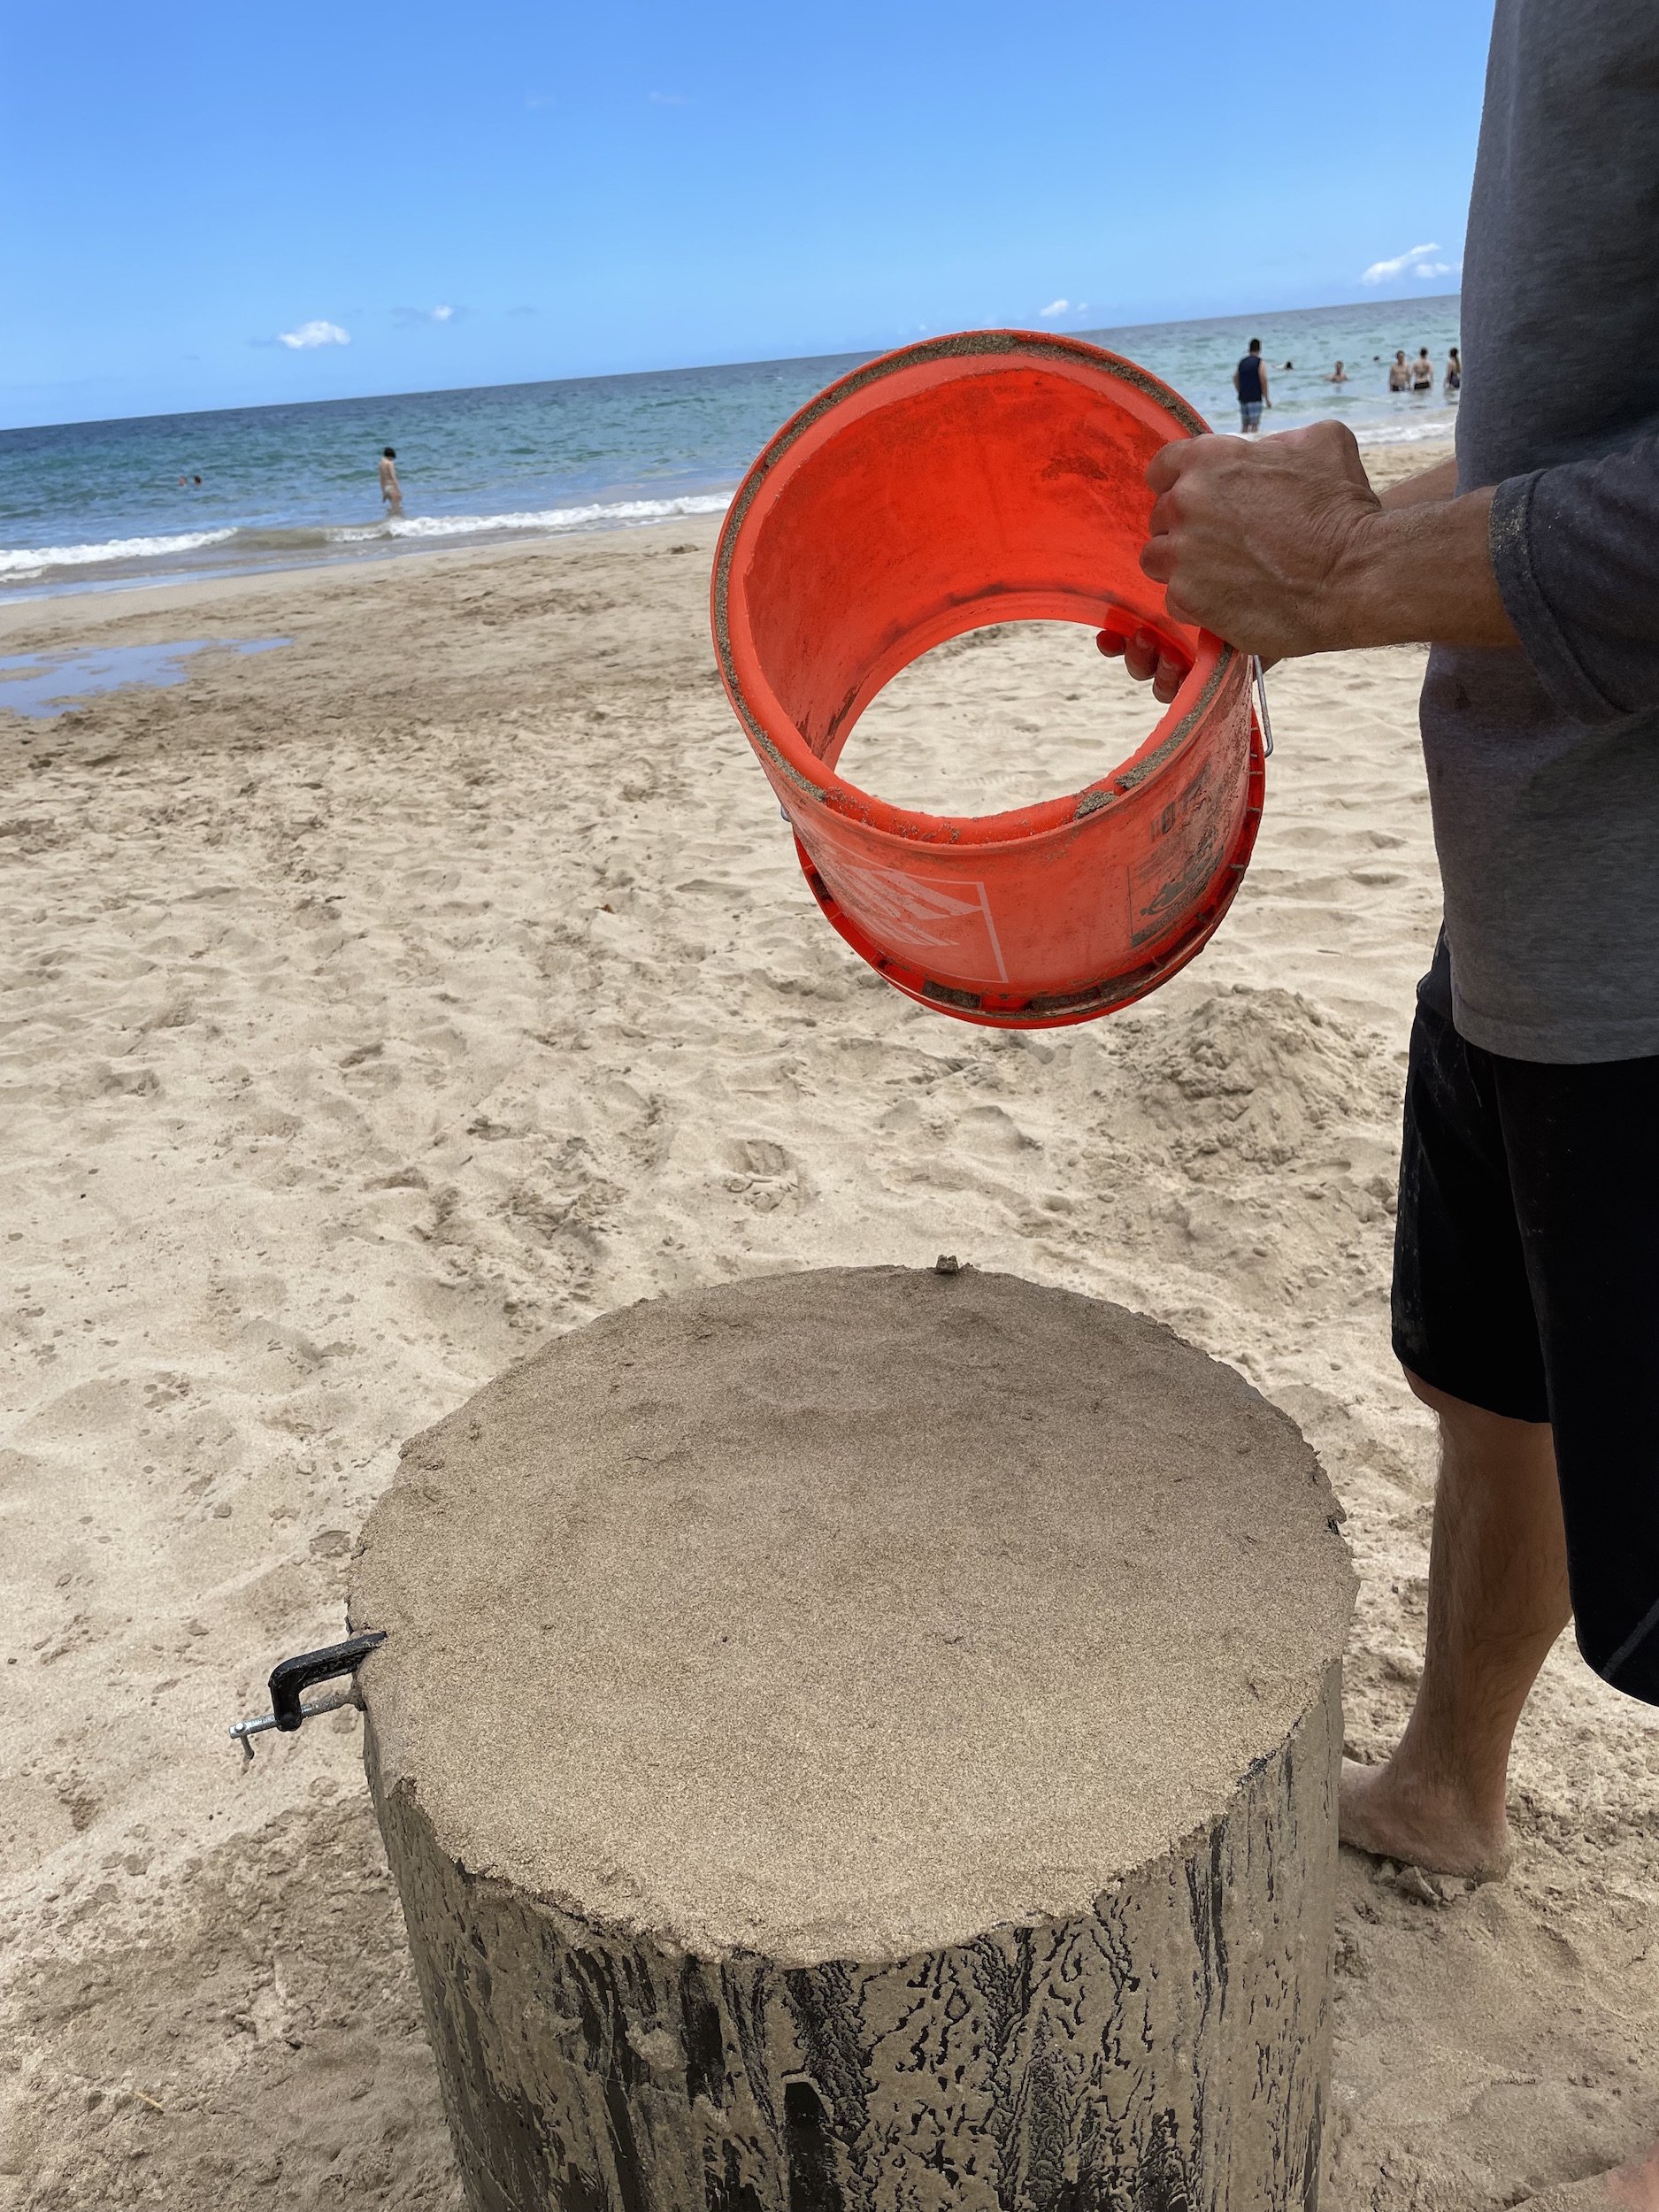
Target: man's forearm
[(1439, 482), (1419, 575)]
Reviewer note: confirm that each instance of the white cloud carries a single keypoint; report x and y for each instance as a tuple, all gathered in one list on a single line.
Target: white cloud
[(425, 314), (1386, 272), (313, 334), (1432, 269), (1055, 307)]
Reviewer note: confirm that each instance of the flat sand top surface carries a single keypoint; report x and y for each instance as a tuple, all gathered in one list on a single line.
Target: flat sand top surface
[(847, 1612)]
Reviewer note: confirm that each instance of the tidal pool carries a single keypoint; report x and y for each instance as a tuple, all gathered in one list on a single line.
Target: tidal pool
[(40, 684)]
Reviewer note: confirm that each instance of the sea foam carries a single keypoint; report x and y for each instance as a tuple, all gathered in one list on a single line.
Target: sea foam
[(256, 546), (601, 514), (33, 560)]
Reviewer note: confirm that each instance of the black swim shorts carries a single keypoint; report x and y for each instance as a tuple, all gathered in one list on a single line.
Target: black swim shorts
[(1527, 1281)]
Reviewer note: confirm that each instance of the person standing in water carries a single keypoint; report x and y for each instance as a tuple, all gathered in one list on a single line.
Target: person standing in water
[(1400, 373), (1422, 372), (1454, 373), (1339, 376), (391, 490), (1249, 381)]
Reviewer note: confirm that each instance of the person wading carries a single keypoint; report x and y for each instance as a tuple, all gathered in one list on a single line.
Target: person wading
[(1249, 381), (1527, 1266)]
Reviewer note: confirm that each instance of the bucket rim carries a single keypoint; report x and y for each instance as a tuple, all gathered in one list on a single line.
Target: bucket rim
[(774, 733)]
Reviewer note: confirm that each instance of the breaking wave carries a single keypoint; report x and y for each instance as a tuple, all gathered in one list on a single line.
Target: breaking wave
[(232, 547), (600, 514), (34, 560)]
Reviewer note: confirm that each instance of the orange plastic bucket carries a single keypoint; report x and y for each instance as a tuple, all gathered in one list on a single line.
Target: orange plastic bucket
[(994, 476)]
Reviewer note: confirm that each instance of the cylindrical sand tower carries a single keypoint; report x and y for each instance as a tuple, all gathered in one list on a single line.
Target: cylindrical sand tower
[(865, 1741)]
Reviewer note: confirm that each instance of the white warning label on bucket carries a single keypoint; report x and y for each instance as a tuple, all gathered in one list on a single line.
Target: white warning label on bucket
[(948, 924)]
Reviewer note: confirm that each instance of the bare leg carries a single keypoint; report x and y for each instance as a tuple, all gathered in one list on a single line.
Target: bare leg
[(1497, 1601)]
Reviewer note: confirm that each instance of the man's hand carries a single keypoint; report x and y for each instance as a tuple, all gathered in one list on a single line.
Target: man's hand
[(1146, 660), (1254, 542), (1282, 547)]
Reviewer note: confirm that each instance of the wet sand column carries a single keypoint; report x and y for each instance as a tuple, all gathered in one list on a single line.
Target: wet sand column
[(865, 1739)]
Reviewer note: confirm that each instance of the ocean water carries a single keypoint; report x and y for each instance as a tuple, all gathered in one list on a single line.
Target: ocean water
[(92, 505)]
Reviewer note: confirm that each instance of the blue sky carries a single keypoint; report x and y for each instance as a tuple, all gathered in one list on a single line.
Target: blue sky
[(221, 205)]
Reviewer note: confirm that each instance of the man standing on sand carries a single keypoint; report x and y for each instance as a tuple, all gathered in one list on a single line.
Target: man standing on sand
[(1526, 1266), (1249, 381), (391, 490)]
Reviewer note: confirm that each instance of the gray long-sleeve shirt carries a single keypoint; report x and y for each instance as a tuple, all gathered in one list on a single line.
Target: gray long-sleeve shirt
[(1543, 765)]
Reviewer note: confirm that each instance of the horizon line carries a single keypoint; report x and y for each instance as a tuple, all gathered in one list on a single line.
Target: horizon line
[(690, 368)]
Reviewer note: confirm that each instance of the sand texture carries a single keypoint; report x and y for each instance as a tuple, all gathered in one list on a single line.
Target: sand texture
[(375, 1008), (846, 1613)]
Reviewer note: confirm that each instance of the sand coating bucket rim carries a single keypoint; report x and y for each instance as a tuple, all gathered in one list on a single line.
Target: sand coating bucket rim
[(768, 724)]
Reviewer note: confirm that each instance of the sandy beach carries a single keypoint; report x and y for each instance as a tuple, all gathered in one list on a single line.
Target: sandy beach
[(377, 1006)]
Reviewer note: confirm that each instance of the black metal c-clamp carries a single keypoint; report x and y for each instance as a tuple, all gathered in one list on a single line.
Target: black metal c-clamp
[(291, 1678)]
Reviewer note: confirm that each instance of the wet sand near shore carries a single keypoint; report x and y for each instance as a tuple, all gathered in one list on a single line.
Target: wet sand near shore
[(376, 1006)]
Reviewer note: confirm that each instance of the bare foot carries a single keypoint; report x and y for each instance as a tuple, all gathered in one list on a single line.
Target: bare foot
[(1636, 2188), (1382, 1812), (1626, 2189)]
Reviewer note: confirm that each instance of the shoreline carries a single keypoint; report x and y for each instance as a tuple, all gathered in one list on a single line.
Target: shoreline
[(1386, 462), (345, 546)]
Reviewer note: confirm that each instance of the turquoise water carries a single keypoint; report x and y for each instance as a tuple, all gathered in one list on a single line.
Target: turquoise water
[(88, 505), (44, 685)]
